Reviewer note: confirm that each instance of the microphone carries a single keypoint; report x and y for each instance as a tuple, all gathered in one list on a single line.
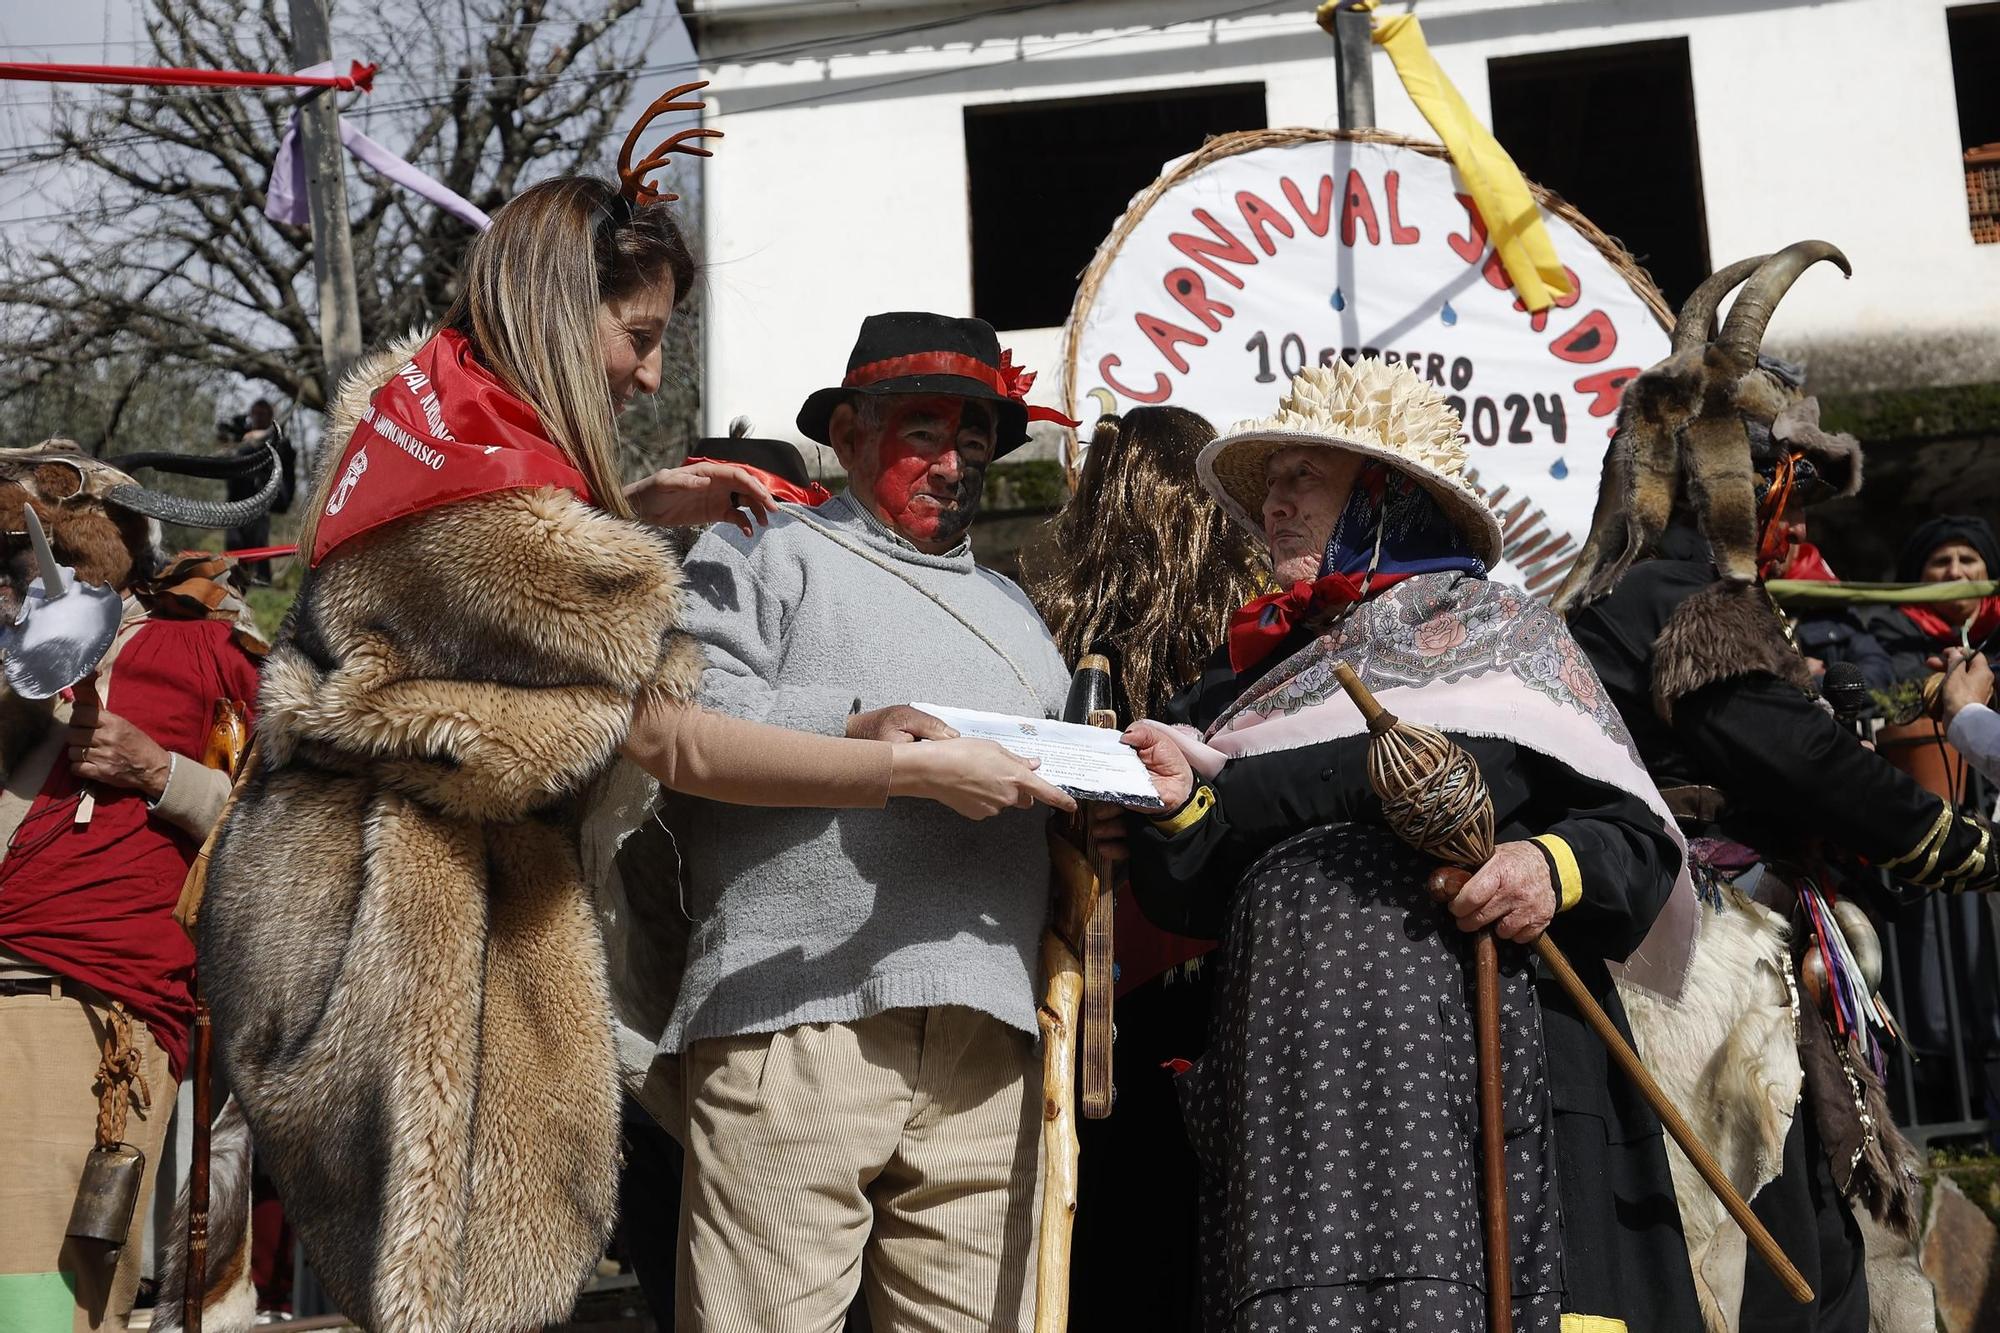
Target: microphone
[(1846, 689)]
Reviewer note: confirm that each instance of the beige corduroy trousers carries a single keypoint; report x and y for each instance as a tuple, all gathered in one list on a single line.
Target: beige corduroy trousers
[(49, 1051), (899, 1154)]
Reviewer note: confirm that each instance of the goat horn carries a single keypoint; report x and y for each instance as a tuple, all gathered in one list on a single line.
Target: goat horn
[(215, 466), (200, 513), (1697, 317), (1743, 334)]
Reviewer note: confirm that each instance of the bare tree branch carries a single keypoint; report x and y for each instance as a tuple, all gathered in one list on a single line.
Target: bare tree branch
[(169, 272)]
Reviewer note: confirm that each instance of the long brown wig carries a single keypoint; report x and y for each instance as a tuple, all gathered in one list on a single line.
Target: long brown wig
[(1145, 567)]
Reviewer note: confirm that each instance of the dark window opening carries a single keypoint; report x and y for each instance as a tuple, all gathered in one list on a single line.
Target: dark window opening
[(1612, 130), (1974, 31), (1049, 179)]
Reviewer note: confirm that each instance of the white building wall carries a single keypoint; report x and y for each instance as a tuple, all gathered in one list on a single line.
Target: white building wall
[(841, 188)]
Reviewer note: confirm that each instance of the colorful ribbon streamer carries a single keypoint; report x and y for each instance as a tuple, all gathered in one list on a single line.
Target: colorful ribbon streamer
[(1503, 198), (285, 197)]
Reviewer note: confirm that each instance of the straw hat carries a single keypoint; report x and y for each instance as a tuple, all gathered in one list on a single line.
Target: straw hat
[(1376, 410)]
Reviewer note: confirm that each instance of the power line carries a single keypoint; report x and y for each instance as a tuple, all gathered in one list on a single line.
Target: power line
[(750, 55), (25, 155)]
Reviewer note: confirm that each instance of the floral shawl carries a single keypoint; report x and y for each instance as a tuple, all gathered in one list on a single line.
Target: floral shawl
[(1476, 657)]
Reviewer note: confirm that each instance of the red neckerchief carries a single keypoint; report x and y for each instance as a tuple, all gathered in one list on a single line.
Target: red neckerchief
[(1261, 624), (1984, 621), (443, 429), (1806, 562), (812, 494)]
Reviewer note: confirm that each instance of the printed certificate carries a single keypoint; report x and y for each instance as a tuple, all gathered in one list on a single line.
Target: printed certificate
[(1090, 763)]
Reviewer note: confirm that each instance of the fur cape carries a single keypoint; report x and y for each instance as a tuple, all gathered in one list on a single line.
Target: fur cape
[(398, 943)]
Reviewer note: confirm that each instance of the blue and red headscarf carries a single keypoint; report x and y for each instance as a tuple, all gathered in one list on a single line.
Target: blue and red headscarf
[(1390, 530)]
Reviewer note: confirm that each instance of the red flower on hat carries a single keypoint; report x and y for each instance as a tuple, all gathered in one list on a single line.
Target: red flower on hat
[(1015, 381)]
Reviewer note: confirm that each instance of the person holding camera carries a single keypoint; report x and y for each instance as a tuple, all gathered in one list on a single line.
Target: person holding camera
[(253, 432)]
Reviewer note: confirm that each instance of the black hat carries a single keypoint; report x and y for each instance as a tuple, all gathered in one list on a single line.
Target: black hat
[(776, 457), (1941, 531), (917, 352)]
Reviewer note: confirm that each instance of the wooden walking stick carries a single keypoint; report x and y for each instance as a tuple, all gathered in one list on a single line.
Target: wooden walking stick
[(1077, 962), (1434, 799), (1090, 702)]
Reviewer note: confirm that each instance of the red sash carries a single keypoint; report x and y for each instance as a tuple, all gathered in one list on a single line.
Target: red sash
[(443, 429)]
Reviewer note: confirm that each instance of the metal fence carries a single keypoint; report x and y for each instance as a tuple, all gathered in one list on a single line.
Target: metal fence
[(1938, 976), (1941, 980)]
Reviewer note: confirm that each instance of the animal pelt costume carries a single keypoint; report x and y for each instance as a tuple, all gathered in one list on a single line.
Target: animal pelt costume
[(1712, 445), (407, 976)]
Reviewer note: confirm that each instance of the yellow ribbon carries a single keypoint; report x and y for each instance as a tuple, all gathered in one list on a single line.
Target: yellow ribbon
[(1503, 198)]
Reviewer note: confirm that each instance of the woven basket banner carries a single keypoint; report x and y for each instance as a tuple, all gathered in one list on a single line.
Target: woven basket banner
[(1269, 251)]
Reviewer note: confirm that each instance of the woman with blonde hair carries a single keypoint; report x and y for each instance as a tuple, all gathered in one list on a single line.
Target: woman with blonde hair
[(1145, 569), (400, 939)]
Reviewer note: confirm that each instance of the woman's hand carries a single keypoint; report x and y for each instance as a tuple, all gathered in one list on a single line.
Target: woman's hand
[(978, 779), (1512, 893), (700, 494), (1172, 776)]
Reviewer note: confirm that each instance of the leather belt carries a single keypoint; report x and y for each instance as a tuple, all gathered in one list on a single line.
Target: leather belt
[(49, 988), (1702, 804)]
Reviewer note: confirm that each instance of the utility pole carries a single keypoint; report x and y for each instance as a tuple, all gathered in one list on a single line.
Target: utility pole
[(326, 194), (1353, 47)]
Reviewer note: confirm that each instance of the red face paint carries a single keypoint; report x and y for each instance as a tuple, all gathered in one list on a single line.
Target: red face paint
[(930, 468)]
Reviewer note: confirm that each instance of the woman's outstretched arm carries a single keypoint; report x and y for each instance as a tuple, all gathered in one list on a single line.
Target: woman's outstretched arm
[(752, 763)]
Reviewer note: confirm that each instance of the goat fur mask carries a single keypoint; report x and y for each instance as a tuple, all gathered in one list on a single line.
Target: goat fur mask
[(1696, 431)]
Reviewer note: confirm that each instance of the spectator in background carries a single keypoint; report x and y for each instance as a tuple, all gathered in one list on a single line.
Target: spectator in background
[(1922, 638), (1829, 634), (252, 431), (1945, 549)]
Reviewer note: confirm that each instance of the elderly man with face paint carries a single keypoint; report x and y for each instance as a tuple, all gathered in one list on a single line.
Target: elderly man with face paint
[(857, 1020)]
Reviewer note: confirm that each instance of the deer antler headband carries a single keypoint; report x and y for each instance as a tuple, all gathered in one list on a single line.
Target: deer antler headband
[(632, 176)]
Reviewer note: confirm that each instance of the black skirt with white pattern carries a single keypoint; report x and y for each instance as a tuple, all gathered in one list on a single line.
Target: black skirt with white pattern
[(1335, 1113)]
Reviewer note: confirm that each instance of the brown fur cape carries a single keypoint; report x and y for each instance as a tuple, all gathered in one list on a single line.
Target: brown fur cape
[(407, 976)]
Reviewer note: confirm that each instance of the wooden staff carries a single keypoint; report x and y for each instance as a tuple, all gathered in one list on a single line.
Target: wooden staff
[(1076, 895), (1434, 799), (1077, 962), (1090, 703)]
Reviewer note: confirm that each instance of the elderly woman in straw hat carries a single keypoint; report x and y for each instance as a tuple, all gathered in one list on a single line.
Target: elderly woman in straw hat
[(1334, 1111)]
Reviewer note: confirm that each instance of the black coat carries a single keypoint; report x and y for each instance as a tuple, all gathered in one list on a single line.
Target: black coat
[(1624, 1255), (1791, 774), (1795, 781)]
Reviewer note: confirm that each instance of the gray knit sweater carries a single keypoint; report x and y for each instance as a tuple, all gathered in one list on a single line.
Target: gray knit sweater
[(816, 916)]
